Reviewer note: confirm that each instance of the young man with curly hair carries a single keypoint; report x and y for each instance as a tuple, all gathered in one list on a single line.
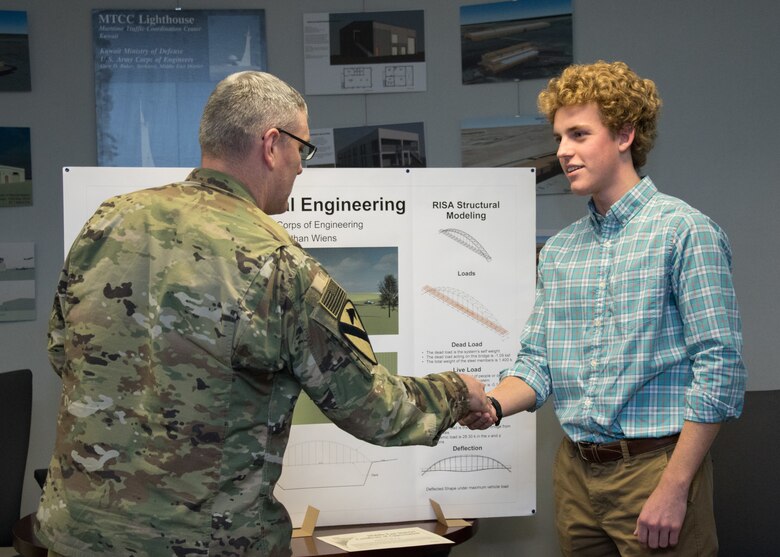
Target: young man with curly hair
[(635, 334)]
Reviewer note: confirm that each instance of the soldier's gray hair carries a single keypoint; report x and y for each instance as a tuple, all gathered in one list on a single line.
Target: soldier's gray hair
[(242, 107)]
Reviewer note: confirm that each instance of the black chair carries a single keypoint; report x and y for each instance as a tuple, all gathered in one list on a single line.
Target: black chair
[(15, 413)]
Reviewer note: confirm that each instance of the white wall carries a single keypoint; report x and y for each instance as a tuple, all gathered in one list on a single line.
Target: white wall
[(713, 60)]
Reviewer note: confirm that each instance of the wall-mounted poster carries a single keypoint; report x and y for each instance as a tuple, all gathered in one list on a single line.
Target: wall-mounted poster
[(14, 51), (15, 167), (364, 52), (154, 70), (381, 146), (519, 141), (511, 41), (17, 281)]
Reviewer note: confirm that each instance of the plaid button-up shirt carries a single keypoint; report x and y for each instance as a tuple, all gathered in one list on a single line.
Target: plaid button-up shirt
[(636, 326)]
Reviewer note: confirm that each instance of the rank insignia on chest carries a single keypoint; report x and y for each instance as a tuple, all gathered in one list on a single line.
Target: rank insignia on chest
[(334, 300)]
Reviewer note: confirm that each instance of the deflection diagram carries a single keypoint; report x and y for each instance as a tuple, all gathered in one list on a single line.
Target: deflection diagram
[(323, 464), (466, 463)]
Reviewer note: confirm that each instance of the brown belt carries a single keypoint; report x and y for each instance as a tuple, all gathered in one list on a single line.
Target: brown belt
[(607, 452)]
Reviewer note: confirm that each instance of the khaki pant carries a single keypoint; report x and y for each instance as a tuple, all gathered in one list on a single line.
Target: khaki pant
[(597, 505)]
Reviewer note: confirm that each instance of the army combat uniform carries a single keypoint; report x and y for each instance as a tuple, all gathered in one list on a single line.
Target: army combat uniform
[(185, 324)]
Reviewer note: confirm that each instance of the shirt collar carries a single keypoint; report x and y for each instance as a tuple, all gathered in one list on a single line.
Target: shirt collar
[(215, 179), (626, 207)]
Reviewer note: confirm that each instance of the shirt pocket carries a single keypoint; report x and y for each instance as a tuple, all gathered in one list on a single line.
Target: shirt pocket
[(637, 298)]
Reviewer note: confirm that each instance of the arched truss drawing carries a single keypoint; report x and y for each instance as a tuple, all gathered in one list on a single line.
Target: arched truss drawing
[(321, 464), (467, 305), (466, 240), (466, 463)]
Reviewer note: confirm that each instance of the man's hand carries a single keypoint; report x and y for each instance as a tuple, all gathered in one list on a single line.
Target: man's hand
[(478, 401), (661, 519), (662, 516), (480, 420), (482, 414)]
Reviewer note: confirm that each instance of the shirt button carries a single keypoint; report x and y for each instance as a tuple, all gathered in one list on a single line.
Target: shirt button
[(602, 284), (593, 363), (597, 322)]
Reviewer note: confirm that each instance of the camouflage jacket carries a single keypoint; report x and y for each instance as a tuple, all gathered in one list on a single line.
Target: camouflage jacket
[(185, 324)]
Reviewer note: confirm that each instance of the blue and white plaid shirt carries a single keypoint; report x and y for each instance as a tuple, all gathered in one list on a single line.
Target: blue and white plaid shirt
[(635, 327)]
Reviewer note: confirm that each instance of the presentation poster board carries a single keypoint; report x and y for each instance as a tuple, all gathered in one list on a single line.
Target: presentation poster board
[(457, 247)]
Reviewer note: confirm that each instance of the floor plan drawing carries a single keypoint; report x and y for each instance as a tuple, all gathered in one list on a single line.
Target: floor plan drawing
[(357, 78)]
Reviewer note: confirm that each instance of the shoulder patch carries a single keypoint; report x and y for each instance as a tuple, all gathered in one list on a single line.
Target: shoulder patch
[(334, 300), (353, 331)]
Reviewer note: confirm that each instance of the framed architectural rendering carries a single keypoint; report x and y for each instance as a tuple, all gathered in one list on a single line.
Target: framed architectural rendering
[(512, 41), (14, 51), (364, 52), (376, 146), (15, 168), (515, 141), (17, 281)]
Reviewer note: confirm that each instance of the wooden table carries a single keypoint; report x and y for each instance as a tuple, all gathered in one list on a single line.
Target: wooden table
[(28, 545), (25, 540), (312, 547)]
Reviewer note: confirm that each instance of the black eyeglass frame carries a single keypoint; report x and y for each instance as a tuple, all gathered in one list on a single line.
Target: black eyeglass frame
[(306, 155)]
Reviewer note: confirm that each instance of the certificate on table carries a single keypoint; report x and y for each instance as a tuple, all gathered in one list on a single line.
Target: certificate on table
[(384, 539)]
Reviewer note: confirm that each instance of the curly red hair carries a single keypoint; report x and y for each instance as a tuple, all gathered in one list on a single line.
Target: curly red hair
[(624, 99)]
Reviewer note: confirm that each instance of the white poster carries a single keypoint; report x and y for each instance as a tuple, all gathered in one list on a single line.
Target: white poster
[(364, 52), (457, 247)]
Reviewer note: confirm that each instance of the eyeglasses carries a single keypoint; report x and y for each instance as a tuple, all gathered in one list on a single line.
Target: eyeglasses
[(307, 151)]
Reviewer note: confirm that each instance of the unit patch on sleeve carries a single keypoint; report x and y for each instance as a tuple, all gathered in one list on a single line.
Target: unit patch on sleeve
[(334, 300), (354, 332)]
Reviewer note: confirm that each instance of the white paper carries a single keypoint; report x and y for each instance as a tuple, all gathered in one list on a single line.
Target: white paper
[(384, 539)]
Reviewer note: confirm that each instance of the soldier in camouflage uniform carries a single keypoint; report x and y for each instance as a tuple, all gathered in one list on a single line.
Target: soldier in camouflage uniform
[(185, 324)]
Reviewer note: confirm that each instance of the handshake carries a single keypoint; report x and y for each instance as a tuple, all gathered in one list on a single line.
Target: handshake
[(483, 413)]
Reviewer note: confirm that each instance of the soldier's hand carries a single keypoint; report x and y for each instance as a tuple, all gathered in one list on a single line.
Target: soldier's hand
[(478, 401), (479, 420)]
